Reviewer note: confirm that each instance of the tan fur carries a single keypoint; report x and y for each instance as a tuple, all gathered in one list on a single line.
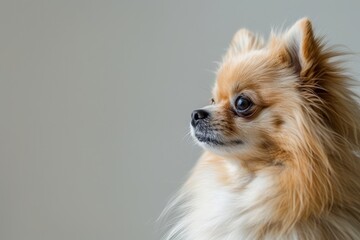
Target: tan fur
[(303, 135)]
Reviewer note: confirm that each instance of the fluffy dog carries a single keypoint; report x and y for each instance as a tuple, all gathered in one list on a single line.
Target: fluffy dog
[(281, 139)]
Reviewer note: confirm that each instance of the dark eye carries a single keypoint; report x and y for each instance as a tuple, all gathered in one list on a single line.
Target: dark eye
[(243, 105), (212, 101)]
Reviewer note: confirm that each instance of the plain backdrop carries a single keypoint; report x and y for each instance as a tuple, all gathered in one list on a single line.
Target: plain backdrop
[(95, 103)]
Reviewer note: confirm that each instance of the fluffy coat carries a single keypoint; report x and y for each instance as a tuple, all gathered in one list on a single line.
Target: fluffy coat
[(290, 169)]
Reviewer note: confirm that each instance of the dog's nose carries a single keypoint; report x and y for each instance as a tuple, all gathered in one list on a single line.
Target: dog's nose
[(198, 115)]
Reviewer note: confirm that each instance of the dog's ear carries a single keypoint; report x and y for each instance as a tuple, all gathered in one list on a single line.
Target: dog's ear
[(244, 41), (301, 45)]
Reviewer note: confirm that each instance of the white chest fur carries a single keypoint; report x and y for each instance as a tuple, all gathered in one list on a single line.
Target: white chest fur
[(214, 211)]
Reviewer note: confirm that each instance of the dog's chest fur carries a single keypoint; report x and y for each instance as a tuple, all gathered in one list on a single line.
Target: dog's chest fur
[(242, 207), (216, 210)]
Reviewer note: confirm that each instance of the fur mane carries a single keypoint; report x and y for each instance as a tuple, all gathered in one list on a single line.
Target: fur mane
[(325, 174)]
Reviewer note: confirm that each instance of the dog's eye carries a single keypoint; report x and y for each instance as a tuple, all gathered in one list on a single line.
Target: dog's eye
[(243, 105), (212, 101)]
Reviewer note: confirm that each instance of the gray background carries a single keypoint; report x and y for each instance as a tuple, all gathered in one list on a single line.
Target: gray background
[(95, 101)]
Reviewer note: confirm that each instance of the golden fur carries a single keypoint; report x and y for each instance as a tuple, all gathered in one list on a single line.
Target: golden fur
[(296, 172)]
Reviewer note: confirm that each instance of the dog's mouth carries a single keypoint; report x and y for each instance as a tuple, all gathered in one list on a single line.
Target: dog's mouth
[(208, 139), (214, 141)]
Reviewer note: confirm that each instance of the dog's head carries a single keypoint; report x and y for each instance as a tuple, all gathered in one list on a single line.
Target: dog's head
[(273, 96)]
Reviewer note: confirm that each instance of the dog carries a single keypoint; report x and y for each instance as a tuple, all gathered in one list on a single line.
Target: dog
[(281, 140)]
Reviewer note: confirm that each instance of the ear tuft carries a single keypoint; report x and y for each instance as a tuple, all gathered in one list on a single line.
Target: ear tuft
[(301, 43), (244, 41)]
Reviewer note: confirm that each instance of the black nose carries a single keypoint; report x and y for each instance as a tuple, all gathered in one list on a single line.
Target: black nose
[(198, 115)]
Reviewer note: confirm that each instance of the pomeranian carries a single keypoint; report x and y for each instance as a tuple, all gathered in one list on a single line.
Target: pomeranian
[(281, 140)]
